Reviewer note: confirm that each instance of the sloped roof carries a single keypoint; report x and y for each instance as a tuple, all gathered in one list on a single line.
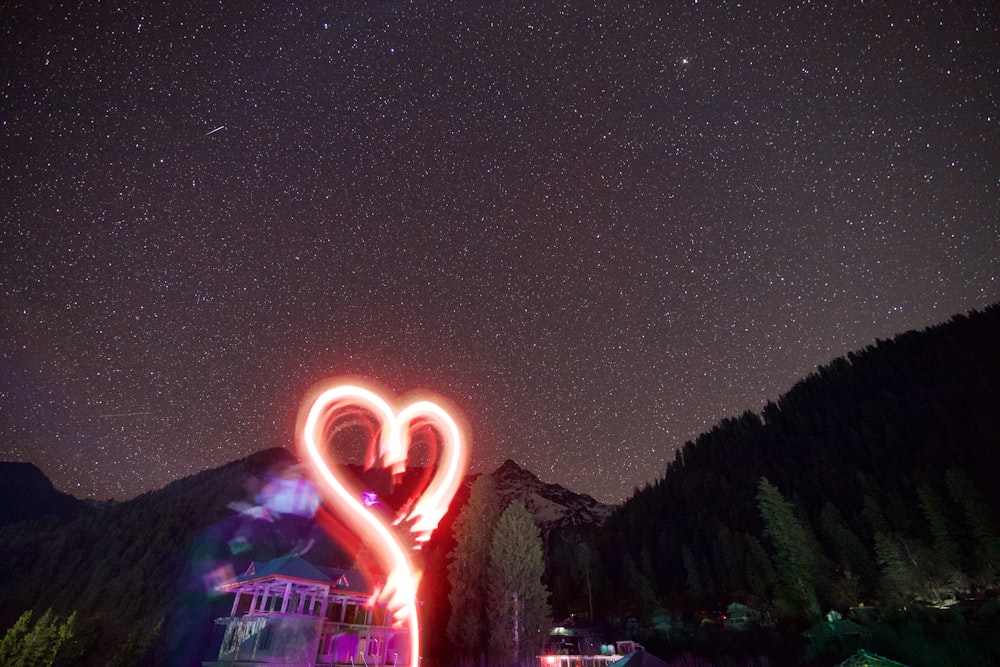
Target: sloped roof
[(347, 580), (868, 659), (285, 566), (294, 566), (842, 627), (638, 659)]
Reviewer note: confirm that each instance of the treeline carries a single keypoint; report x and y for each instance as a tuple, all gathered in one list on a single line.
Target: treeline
[(882, 464), (137, 576), (889, 458), (131, 572)]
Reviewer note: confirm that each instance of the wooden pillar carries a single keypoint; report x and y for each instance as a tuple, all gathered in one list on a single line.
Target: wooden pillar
[(324, 602), (236, 602), (266, 597), (286, 597)]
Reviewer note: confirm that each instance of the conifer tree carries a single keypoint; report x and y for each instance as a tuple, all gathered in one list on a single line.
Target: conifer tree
[(39, 646), (37, 642), (518, 605), (639, 593), (694, 582), (467, 572), (584, 557), (795, 559), (572, 563), (13, 640), (899, 583), (981, 524), (64, 633), (849, 551), (760, 573), (946, 551)]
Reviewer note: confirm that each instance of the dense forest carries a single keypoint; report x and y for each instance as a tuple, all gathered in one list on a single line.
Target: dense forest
[(869, 485), (886, 461), (137, 576)]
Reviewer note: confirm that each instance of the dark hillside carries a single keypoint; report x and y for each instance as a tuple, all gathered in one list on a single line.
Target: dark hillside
[(888, 459), (26, 493), (127, 567), (895, 448)]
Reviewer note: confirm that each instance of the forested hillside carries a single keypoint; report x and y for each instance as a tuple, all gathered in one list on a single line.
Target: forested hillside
[(888, 460), (139, 574), (132, 570), (871, 481)]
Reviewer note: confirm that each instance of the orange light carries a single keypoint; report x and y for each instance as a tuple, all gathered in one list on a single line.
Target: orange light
[(395, 429)]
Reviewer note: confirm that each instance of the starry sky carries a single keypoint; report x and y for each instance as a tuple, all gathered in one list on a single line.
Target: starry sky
[(598, 228)]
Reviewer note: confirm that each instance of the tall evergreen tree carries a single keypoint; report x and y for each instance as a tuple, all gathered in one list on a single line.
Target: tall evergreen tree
[(518, 600), (760, 573), (39, 646), (694, 582), (639, 594), (981, 524), (856, 566), (13, 640), (580, 566), (468, 626), (899, 569), (795, 559), (36, 651), (946, 550)]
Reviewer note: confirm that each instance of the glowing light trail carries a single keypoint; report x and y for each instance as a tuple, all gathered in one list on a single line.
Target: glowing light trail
[(396, 430)]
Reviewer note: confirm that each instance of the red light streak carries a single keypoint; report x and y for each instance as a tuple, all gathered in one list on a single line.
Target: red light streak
[(395, 432)]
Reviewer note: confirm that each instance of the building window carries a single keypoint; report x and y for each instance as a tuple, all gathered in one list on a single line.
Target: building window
[(264, 641)]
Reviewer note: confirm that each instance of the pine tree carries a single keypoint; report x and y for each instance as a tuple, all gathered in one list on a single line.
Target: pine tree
[(136, 644), (571, 563), (693, 577), (64, 633), (899, 583), (12, 643), (37, 642), (849, 551), (760, 573), (795, 559), (639, 593), (39, 646), (467, 572), (947, 564), (981, 524), (518, 604)]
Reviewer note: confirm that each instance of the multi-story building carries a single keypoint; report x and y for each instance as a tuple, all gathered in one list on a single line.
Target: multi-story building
[(289, 612)]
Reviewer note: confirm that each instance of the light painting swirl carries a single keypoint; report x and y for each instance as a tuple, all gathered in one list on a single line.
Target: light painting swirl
[(392, 432)]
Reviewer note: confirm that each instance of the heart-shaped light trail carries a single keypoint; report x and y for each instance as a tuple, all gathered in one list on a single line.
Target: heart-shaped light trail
[(395, 431)]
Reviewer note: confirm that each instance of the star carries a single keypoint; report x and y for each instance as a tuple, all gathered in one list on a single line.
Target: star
[(535, 211)]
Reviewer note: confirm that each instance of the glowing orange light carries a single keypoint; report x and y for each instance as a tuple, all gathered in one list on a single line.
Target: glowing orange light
[(395, 429)]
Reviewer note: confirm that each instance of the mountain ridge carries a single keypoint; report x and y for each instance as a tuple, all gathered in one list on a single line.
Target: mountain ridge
[(873, 435), (552, 505), (28, 494)]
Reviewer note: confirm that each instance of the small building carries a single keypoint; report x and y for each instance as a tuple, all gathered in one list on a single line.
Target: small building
[(568, 638), (289, 612), (570, 655), (868, 659), (639, 658), (740, 617)]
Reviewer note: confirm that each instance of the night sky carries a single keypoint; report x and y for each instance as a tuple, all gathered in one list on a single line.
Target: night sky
[(597, 228)]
